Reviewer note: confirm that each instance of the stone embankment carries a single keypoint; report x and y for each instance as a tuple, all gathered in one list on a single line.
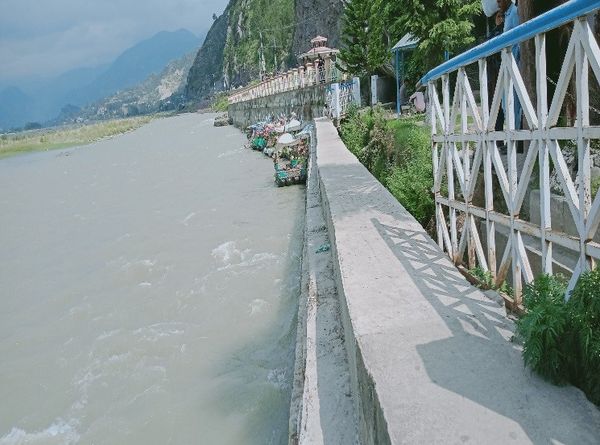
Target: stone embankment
[(395, 346), (308, 103)]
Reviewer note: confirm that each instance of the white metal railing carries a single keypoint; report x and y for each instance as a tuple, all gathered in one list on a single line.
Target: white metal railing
[(339, 96), (323, 72), (465, 143)]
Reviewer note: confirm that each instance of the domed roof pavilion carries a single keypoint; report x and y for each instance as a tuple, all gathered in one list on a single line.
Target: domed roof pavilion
[(318, 50)]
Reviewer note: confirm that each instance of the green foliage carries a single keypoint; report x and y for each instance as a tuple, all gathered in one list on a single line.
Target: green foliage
[(562, 339), (484, 277), (252, 23), (411, 178), (398, 153), (486, 281), (220, 103), (584, 313), (364, 48), (595, 186), (378, 154), (441, 25), (54, 138), (544, 328), (355, 130)]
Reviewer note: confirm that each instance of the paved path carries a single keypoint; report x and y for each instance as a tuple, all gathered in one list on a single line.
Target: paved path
[(431, 355)]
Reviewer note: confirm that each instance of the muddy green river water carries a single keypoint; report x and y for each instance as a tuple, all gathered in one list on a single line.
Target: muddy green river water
[(148, 291)]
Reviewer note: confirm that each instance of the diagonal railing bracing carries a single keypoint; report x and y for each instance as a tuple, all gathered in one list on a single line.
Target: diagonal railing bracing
[(470, 155)]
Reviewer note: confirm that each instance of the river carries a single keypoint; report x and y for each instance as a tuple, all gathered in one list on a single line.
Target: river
[(148, 291)]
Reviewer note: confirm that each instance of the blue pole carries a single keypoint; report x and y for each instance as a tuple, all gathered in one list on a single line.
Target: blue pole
[(397, 83)]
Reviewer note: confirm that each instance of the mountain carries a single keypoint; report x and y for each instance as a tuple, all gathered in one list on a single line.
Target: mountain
[(158, 92), (258, 35), (317, 17), (53, 95), (14, 108), (206, 74), (78, 87), (138, 62)]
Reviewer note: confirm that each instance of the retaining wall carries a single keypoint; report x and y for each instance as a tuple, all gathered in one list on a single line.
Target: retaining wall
[(431, 358), (308, 103)]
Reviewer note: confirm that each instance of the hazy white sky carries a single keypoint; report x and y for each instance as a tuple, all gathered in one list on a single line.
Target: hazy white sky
[(43, 38)]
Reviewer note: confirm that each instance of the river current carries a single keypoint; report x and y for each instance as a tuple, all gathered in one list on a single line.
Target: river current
[(148, 291)]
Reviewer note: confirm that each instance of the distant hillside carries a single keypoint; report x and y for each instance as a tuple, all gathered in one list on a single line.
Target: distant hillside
[(255, 34), (81, 86), (137, 63), (14, 108), (158, 92), (54, 94)]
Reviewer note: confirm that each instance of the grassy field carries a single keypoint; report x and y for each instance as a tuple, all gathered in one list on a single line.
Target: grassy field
[(53, 138)]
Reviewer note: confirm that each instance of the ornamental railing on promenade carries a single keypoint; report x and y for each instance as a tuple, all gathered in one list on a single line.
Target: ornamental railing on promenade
[(484, 168), (339, 90), (314, 73)]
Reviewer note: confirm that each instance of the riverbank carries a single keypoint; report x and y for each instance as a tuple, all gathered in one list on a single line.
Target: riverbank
[(70, 136)]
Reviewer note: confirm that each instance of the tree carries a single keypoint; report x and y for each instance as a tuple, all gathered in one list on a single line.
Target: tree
[(364, 49), (441, 25)]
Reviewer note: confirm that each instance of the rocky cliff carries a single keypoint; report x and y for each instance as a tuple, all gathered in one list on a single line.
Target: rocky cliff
[(206, 74), (259, 36), (317, 17)]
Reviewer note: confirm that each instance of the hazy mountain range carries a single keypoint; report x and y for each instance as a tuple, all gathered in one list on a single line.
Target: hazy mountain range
[(158, 92), (82, 86)]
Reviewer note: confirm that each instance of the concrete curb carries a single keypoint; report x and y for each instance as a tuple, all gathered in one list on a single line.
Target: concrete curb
[(430, 356)]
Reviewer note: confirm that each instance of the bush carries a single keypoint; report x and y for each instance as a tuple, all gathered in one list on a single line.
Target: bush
[(378, 154), (220, 103), (584, 314), (562, 339), (544, 328), (411, 178), (398, 153), (355, 130)]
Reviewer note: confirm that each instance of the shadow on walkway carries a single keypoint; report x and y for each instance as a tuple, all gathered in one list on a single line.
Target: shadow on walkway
[(478, 362)]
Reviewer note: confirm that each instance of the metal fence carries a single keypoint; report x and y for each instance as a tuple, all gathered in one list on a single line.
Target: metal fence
[(481, 181), (339, 96), (313, 73)]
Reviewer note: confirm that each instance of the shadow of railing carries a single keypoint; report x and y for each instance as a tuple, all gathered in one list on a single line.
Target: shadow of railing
[(477, 362)]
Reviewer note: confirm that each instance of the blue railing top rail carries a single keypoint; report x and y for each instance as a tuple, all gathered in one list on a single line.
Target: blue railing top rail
[(550, 20)]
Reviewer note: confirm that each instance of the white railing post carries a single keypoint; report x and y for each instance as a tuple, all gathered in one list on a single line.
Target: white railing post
[(335, 101), (356, 90), (458, 166)]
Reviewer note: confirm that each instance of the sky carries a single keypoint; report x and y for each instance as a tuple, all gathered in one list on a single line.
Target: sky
[(44, 38)]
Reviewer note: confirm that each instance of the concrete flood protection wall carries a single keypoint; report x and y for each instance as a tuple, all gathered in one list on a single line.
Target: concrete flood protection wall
[(428, 357), (308, 103)]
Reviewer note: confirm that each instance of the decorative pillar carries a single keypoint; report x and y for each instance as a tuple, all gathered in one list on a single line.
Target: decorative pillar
[(328, 68), (301, 75), (310, 73), (335, 103)]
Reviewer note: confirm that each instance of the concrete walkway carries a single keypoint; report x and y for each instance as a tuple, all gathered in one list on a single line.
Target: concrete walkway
[(430, 356)]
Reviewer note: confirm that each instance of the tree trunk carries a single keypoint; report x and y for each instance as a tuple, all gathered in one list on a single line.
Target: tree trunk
[(526, 13)]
